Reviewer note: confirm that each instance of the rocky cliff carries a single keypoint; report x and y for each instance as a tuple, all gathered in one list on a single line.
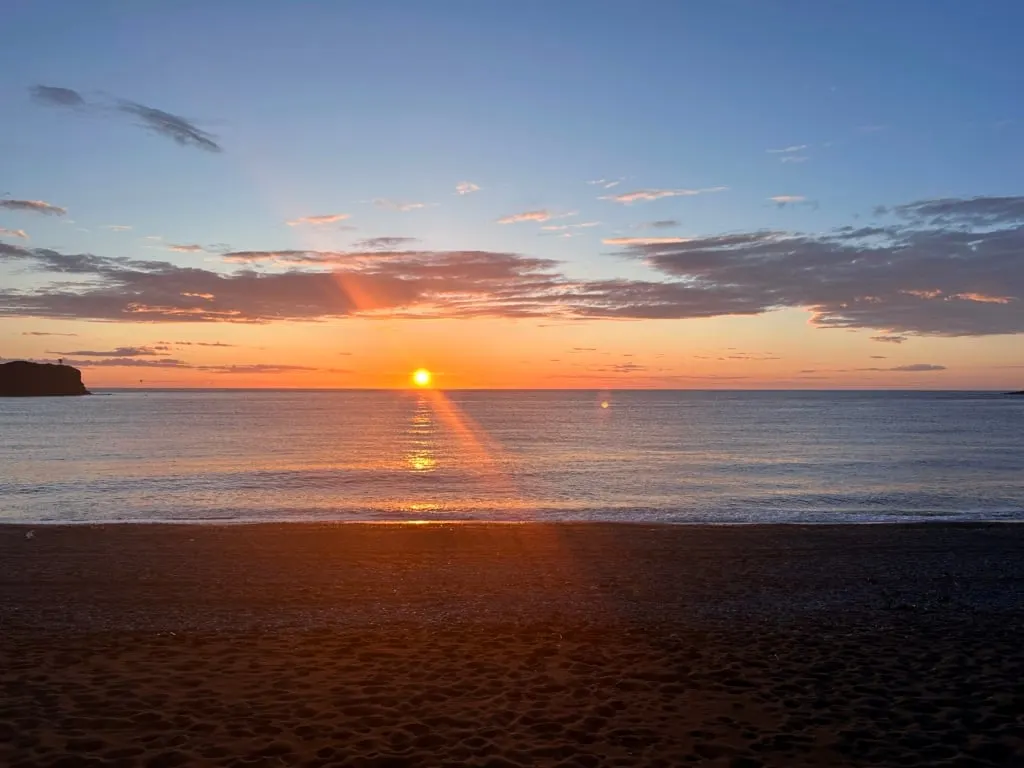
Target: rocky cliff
[(23, 379)]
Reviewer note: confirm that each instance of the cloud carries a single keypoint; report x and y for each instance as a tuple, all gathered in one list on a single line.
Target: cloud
[(922, 278), (185, 248), (605, 183), (382, 243), (119, 352), (327, 218), (643, 240), (793, 159), (659, 224), (914, 368), (889, 338), (53, 96), (622, 368), (901, 280), (265, 368), (466, 188), (174, 127), (787, 150), (196, 343), (4, 232), (878, 357), (516, 218), (627, 198), (563, 227), (974, 211), (783, 200), (117, 227), (33, 206), (45, 333), (169, 362), (394, 205), (128, 362)]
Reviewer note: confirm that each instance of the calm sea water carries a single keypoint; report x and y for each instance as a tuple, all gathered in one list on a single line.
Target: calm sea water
[(626, 456)]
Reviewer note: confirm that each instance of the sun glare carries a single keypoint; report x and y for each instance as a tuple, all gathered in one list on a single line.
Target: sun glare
[(421, 377)]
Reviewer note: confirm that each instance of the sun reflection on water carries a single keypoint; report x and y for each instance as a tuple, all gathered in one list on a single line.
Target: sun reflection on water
[(422, 453)]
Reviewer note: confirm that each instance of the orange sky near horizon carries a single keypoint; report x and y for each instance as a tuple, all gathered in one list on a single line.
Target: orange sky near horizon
[(776, 351)]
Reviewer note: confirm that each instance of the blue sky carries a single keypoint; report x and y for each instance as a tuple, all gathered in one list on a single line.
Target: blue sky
[(323, 107)]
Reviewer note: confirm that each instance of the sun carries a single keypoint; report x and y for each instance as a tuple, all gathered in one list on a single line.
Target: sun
[(421, 377)]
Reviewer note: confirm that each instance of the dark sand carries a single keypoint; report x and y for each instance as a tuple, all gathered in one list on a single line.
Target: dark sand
[(518, 645)]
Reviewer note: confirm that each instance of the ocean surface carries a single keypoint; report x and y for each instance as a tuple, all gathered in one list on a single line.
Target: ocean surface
[(666, 456)]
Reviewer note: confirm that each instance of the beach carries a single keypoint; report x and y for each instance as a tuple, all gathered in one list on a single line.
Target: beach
[(511, 645)]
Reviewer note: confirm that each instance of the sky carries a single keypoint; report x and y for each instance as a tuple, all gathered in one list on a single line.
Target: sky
[(734, 194)]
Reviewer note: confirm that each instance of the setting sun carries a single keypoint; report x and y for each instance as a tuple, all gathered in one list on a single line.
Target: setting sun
[(421, 377)]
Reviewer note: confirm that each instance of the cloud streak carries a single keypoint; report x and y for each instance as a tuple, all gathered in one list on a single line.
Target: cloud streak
[(643, 240), (518, 218), (174, 127), (19, 233), (119, 352), (327, 218), (33, 206), (466, 188), (396, 205), (646, 195), (383, 243)]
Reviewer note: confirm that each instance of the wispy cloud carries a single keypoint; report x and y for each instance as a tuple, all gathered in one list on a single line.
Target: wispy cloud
[(793, 159), (174, 127), (4, 232), (185, 248), (563, 227), (33, 206), (643, 240), (57, 97), (606, 183), (466, 188), (517, 218), (117, 227), (787, 150), (395, 205), (327, 218), (383, 243), (196, 343), (128, 362), (787, 199), (889, 338), (912, 368), (265, 368), (45, 333), (659, 224), (640, 195), (118, 352)]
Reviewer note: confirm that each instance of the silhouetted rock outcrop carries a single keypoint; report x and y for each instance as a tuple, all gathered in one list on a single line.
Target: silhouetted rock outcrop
[(1021, 392), (24, 379)]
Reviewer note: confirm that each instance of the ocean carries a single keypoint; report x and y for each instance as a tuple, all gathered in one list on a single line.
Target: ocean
[(629, 456)]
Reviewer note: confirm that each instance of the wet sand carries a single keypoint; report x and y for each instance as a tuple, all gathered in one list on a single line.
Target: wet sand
[(512, 645)]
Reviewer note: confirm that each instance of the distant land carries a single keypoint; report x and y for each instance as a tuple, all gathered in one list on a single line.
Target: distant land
[(21, 378)]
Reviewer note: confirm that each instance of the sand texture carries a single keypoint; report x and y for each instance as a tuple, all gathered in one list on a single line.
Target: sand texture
[(531, 645)]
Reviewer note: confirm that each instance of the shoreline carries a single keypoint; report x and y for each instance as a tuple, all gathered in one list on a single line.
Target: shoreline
[(231, 523), (556, 645)]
